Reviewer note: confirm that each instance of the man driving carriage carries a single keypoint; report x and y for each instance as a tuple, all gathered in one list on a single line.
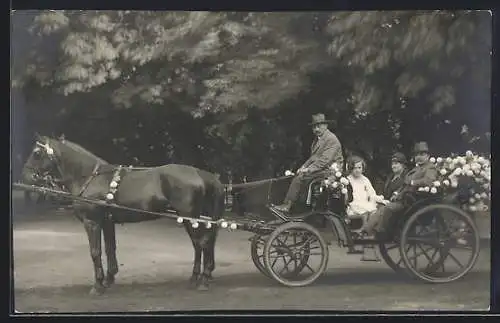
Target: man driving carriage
[(326, 149), (423, 174)]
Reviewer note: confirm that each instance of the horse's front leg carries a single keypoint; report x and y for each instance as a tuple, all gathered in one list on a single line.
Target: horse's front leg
[(108, 229), (93, 230)]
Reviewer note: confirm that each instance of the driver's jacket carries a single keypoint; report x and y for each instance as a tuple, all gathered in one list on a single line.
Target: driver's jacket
[(325, 151)]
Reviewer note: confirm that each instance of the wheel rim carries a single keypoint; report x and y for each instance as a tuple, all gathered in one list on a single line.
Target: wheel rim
[(257, 251), (439, 244), (295, 254), (392, 257)]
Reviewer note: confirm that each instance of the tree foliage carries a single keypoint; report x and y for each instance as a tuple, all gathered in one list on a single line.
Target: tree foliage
[(246, 83)]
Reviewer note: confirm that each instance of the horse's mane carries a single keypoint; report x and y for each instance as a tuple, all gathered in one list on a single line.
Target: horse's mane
[(80, 149)]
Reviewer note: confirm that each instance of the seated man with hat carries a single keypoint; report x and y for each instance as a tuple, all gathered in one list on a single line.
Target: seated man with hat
[(423, 174), (396, 180), (325, 150)]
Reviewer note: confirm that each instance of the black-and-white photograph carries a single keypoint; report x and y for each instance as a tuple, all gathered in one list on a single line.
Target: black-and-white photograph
[(202, 160)]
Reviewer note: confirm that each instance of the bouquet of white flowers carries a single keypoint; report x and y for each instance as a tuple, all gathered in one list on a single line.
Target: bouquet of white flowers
[(337, 183), (472, 171)]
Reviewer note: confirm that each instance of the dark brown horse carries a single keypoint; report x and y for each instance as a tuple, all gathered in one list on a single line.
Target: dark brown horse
[(189, 191)]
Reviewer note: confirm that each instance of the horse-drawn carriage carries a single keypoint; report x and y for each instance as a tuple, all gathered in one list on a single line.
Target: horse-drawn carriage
[(290, 249), (424, 236)]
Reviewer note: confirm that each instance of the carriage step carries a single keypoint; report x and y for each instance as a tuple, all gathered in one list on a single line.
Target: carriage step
[(375, 258), (371, 259)]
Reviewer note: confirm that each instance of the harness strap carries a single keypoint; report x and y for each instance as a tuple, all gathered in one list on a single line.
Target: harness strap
[(87, 182)]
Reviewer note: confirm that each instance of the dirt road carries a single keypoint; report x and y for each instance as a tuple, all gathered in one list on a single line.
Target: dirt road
[(53, 273)]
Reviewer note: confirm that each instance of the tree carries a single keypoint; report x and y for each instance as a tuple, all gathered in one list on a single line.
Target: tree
[(387, 78)]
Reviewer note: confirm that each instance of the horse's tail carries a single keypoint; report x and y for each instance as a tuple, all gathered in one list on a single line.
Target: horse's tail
[(218, 200), (213, 196)]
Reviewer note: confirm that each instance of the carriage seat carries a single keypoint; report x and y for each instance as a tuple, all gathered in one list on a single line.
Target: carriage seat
[(314, 189)]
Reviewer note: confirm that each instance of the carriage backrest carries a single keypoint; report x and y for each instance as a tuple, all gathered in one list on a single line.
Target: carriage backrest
[(313, 190)]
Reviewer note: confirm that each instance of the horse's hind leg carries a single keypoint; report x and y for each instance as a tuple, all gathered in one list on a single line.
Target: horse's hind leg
[(197, 255), (93, 230), (108, 229), (207, 243), (209, 258)]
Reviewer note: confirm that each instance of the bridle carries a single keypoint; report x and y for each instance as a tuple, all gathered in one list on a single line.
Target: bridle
[(48, 179), (44, 177)]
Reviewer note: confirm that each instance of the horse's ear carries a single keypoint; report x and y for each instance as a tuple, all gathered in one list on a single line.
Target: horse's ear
[(37, 136), (62, 137)]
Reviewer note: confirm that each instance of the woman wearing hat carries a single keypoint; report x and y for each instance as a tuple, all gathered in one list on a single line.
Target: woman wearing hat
[(423, 174), (396, 180)]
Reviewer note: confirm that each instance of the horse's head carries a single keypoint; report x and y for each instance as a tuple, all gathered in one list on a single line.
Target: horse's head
[(61, 160), (41, 162)]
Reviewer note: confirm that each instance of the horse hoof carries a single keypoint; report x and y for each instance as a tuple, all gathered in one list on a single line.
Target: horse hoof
[(193, 283), (108, 282), (96, 291)]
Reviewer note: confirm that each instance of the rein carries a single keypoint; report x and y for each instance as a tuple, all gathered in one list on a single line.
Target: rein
[(93, 175), (246, 187)]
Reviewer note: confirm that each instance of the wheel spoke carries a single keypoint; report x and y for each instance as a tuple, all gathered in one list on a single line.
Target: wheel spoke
[(425, 253), (432, 264), (286, 266), (456, 260), (443, 255), (282, 245), (309, 267), (274, 262), (406, 251), (391, 247), (415, 255)]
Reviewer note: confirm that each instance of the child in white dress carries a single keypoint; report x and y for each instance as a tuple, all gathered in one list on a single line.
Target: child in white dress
[(365, 198)]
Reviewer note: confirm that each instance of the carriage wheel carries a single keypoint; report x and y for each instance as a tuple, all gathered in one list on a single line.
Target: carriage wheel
[(295, 254), (389, 250), (257, 250), (391, 255), (439, 244)]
